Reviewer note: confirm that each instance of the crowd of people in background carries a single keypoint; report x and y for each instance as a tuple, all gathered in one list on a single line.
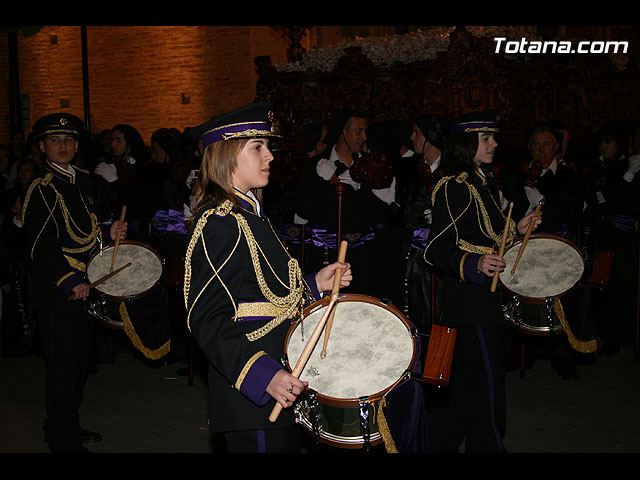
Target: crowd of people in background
[(596, 201)]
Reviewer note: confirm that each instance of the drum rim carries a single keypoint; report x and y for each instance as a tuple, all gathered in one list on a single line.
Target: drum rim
[(137, 295), (533, 329), (541, 300), (352, 401)]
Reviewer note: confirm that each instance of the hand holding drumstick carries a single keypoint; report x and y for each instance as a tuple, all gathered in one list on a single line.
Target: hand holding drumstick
[(493, 263)]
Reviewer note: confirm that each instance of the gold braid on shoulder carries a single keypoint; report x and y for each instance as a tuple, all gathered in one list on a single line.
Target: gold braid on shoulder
[(222, 209)]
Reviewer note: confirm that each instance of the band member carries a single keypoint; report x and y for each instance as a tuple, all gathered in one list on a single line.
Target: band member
[(428, 137), (467, 225), (242, 288), (62, 233), (368, 192)]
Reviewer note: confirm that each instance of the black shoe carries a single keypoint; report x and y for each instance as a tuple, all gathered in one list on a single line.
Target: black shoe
[(90, 437)]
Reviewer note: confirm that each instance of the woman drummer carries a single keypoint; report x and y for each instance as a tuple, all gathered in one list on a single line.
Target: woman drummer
[(468, 224), (242, 289)]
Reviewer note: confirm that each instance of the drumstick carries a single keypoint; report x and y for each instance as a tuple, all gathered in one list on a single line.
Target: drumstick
[(525, 239), (494, 283), (107, 277), (337, 276), (115, 249), (306, 353)]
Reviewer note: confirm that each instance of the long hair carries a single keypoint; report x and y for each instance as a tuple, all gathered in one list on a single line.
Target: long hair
[(459, 152), (136, 147), (214, 182)]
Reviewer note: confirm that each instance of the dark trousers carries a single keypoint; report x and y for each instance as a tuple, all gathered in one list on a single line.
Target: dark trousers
[(275, 440), (474, 407), (66, 331)]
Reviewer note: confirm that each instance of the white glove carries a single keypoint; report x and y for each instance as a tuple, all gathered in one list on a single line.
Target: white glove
[(108, 171), (193, 174), (534, 196), (633, 169), (428, 215)]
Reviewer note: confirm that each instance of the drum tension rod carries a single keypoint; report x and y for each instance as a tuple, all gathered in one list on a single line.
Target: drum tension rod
[(364, 424), (548, 301)]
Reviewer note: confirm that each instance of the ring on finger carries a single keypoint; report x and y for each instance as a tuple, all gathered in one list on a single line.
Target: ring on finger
[(291, 389)]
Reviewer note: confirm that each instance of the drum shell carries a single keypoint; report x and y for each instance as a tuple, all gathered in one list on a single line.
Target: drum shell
[(340, 416), (533, 317)]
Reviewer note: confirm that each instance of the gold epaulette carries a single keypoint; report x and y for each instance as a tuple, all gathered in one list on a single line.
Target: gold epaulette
[(223, 209), (462, 176)]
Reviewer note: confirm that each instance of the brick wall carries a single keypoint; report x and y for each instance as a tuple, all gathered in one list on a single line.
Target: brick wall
[(146, 76)]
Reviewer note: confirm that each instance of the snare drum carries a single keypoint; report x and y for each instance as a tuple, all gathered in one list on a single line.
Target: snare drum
[(550, 267), (140, 278), (370, 350)]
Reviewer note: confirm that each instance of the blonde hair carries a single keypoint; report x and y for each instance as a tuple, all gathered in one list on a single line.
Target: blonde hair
[(214, 183)]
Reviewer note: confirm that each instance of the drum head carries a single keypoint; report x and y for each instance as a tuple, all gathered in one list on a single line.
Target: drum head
[(370, 348), (550, 267), (141, 276)]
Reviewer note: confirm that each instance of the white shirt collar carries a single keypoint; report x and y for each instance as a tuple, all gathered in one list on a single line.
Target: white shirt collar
[(435, 164)]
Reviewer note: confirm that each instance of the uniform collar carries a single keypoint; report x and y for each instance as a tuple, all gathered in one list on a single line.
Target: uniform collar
[(248, 201), (68, 176)]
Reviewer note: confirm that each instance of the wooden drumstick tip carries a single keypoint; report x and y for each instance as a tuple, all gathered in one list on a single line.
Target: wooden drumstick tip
[(115, 248)]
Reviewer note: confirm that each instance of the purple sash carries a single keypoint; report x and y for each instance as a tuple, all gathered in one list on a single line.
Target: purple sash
[(320, 237), (623, 222), (168, 221), (418, 238)]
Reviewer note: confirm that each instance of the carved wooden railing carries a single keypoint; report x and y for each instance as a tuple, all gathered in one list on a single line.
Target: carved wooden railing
[(582, 91)]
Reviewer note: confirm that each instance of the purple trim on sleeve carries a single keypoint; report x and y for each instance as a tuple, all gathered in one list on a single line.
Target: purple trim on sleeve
[(69, 283), (257, 379), (470, 269)]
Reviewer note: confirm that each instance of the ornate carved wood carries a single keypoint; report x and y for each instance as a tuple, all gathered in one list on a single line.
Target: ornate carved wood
[(582, 91)]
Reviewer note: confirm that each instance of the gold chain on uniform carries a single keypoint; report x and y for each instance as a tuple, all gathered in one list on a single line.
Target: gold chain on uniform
[(89, 239), (291, 302), (483, 212)]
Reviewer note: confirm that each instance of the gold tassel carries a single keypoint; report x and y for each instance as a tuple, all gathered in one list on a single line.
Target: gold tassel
[(383, 427), (581, 346), (135, 340)]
